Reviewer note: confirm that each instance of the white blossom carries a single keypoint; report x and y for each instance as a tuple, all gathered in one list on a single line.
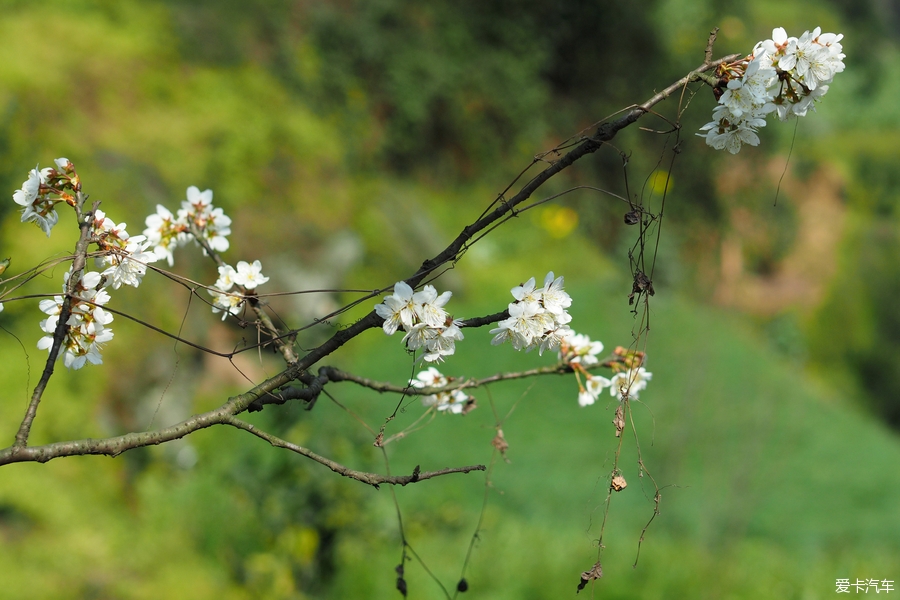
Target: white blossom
[(553, 298), (579, 348), (538, 318), (249, 275), (429, 306), (164, 233), (443, 343), (227, 303), (592, 389), (167, 231), (784, 75), (37, 207), (128, 266), (453, 401), (86, 330), (422, 316), (226, 278), (629, 383), (397, 309)]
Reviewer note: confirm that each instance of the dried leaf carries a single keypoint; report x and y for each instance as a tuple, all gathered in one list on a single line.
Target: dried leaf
[(619, 421), (640, 285), (596, 572), (500, 443)]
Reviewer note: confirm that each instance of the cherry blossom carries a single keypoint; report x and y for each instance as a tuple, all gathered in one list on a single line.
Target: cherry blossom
[(249, 275), (453, 401), (538, 318), (86, 330), (629, 383), (37, 206), (784, 75)]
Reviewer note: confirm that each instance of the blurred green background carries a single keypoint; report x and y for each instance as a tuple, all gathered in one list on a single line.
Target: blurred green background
[(349, 140)]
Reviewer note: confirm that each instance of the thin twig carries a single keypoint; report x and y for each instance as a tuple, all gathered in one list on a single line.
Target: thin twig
[(372, 479), (85, 224)]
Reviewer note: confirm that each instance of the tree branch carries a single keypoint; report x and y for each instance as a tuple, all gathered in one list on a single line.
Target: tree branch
[(372, 479), (85, 224), (264, 393)]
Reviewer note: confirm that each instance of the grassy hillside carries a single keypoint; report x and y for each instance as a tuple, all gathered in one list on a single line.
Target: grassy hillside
[(774, 488)]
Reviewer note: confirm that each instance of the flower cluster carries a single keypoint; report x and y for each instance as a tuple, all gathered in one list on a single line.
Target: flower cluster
[(166, 231), (785, 75), (453, 401), (246, 275), (423, 318), (198, 217), (628, 384), (538, 318), (123, 260), (126, 257), (580, 352), (86, 326), (579, 348), (44, 189)]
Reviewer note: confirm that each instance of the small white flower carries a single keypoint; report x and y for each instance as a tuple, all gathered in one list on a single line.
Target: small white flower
[(521, 327), (129, 267), (579, 348), (526, 292), (431, 377), (249, 275), (453, 401), (419, 335), (165, 233), (553, 339), (429, 307), (553, 298), (443, 343), (226, 303), (585, 398), (629, 383), (197, 201), (592, 389), (217, 227), (36, 207), (29, 192), (226, 278), (397, 309), (596, 384)]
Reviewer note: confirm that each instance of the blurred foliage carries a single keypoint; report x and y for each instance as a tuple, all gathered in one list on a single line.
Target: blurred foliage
[(349, 140)]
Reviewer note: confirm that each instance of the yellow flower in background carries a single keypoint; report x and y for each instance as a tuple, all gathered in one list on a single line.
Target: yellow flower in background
[(659, 182), (558, 221)]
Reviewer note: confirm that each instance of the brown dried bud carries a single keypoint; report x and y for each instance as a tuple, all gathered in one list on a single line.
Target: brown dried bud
[(619, 421), (618, 483), (499, 442), (596, 572)]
